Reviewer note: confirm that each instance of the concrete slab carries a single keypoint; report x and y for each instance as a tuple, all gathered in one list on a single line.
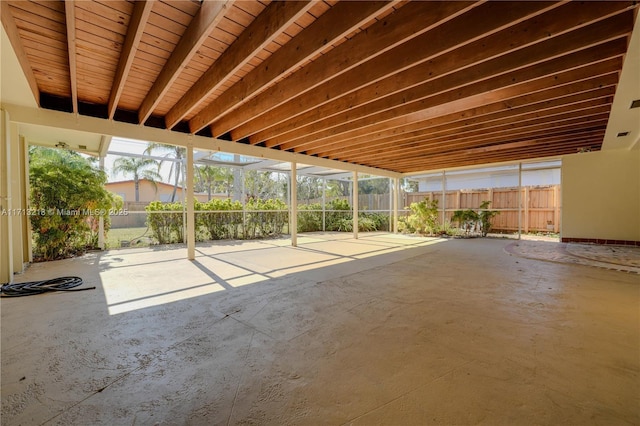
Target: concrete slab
[(386, 329)]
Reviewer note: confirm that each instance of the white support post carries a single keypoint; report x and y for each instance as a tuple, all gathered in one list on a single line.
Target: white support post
[(191, 217), (101, 243), (15, 180), (390, 204), (324, 204), (396, 199), (355, 205), (26, 230), (444, 198), (293, 206), (6, 252), (519, 200)]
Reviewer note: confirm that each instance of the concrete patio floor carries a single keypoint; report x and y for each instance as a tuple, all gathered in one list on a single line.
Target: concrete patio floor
[(385, 329)]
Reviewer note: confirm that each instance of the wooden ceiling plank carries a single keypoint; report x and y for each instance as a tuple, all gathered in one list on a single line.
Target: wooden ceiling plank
[(553, 143), (550, 117), (380, 37), (538, 149), (451, 150), (332, 25), (584, 78), (269, 24), (141, 12), (333, 98), (442, 145), (206, 19), (14, 37), (476, 94), (594, 130), (518, 108), (404, 66), (507, 66)]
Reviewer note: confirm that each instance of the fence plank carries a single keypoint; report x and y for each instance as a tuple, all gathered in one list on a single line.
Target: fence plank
[(541, 206)]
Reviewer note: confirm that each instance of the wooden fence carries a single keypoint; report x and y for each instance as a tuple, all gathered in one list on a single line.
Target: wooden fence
[(540, 206)]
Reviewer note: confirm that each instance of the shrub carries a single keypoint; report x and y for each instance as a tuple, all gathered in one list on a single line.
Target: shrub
[(221, 218), (310, 217), (423, 218), (336, 212), (68, 195), (470, 220), (265, 218)]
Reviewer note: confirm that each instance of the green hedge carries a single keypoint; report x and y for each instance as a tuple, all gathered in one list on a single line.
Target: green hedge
[(226, 219), (218, 220)]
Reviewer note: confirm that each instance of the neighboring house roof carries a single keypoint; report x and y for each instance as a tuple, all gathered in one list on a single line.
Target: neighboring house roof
[(158, 184)]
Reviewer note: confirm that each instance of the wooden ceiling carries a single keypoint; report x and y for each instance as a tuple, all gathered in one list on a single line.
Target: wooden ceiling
[(401, 86)]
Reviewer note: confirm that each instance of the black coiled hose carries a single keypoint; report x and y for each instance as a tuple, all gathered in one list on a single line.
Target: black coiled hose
[(37, 287)]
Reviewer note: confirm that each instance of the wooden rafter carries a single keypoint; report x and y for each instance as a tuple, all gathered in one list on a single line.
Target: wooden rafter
[(209, 15), (141, 11), (342, 19), (533, 105), (492, 131), (497, 71), (329, 101), (561, 85), (269, 24), (476, 94), (379, 38)]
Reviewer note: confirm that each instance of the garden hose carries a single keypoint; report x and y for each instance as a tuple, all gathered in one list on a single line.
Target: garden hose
[(30, 288)]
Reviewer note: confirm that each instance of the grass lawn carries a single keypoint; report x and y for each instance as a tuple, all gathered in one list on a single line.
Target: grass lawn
[(114, 236)]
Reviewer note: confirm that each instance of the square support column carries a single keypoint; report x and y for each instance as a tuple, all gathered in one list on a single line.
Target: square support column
[(355, 205), (6, 228), (293, 199), (18, 219), (396, 198), (191, 216)]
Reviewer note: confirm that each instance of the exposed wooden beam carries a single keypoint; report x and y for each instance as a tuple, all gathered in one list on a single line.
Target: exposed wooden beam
[(559, 85), (536, 150), (415, 57), (591, 134), (141, 12), (380, 37), (206, 19), (478, 133), (334, 97), (430, 146), (476, 94), (504, 66), (533, 105), (277, 16), (336, 23), (13, 34)]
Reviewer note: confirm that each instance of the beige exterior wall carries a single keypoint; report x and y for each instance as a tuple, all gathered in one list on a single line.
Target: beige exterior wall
[(149, 192), (601, 195)]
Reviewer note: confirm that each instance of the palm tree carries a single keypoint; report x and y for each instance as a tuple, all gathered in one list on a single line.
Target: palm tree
[(207, 177), (138, 167), (172, 152)]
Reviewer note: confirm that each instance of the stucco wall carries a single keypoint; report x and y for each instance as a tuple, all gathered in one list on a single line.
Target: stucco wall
[(601, 195)]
